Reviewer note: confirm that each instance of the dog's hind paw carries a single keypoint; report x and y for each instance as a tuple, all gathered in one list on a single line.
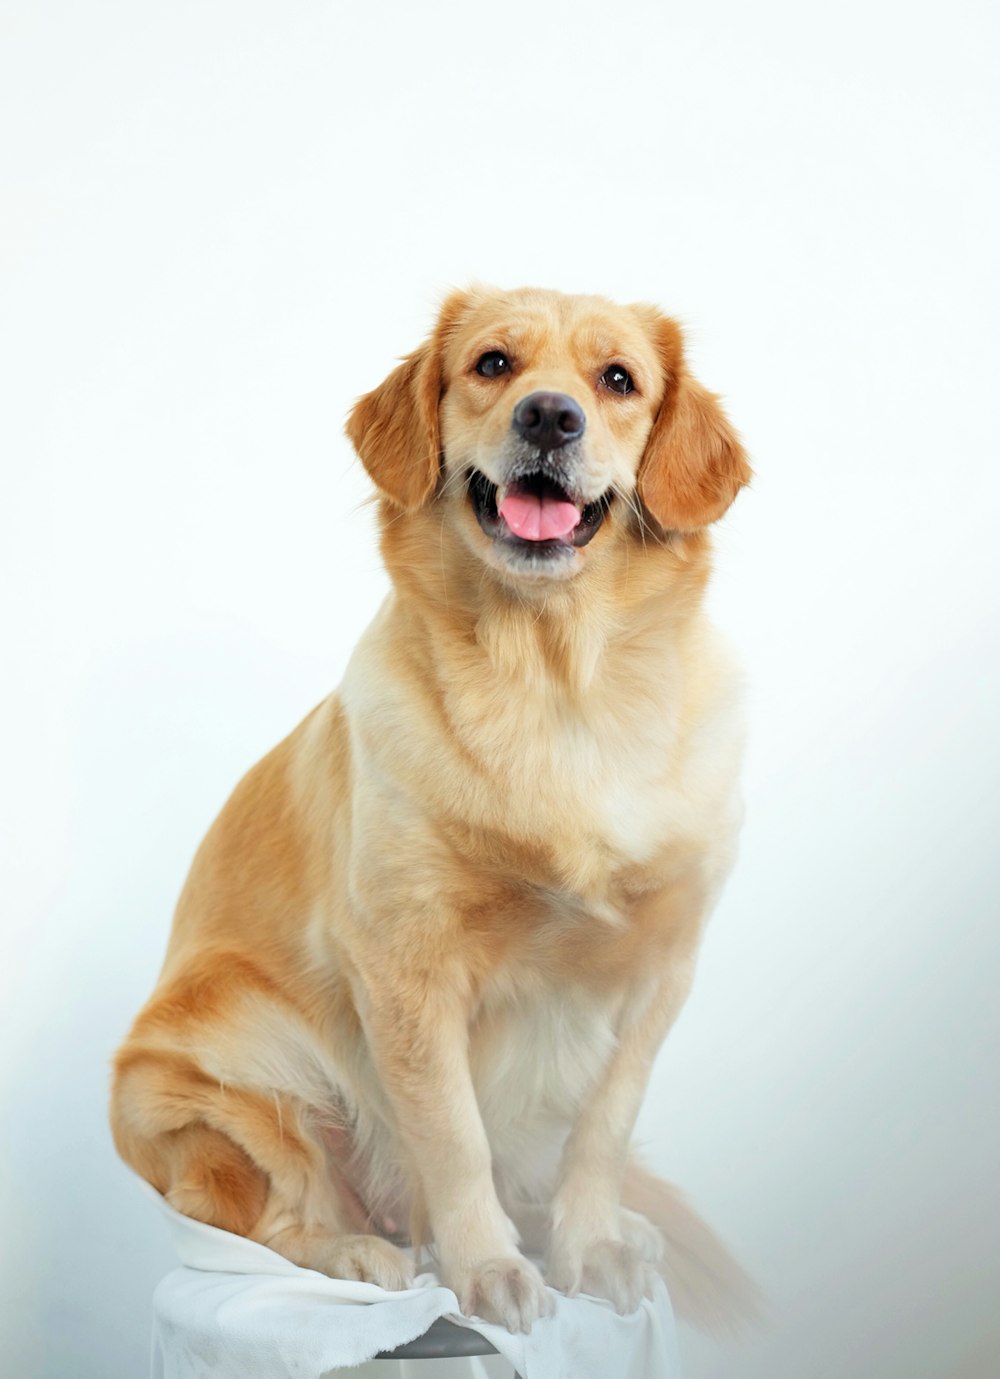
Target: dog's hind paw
[(508, 1290), (367, 1259)]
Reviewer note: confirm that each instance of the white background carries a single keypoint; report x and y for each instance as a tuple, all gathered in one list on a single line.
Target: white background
[(222, 221)]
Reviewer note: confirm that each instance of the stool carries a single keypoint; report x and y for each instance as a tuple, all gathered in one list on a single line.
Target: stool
[(238, 1311), (443, 1340)]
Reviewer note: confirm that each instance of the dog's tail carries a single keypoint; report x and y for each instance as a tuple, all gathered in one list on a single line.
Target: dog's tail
[(706, 1285)]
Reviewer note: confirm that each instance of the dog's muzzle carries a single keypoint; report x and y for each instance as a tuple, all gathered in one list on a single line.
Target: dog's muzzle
[(537, 510), (535, 513)]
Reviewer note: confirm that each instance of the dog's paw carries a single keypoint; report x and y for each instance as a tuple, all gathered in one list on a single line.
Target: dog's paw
[(639, 1232), (612, 1269), (508, 1290), (367, 1259)]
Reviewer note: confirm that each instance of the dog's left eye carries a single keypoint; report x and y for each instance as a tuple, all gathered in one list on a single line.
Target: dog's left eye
[(618, 379), (493, 363)]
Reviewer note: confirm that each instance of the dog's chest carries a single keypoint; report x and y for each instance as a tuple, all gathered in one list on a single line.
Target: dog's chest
[(596, 782)]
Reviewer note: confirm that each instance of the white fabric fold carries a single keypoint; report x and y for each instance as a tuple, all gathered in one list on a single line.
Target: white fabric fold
[(237, 1310)]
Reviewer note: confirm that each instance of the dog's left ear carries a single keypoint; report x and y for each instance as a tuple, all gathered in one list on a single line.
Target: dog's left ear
[(395, 427), (693, 465)]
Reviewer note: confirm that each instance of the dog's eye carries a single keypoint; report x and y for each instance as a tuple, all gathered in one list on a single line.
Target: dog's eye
[(492, 364), (616, 378)]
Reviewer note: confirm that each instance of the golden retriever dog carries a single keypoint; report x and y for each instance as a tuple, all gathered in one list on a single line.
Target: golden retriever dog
[(427, 953)]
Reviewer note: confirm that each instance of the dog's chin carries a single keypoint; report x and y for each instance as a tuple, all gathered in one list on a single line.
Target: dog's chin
[(537, 559)]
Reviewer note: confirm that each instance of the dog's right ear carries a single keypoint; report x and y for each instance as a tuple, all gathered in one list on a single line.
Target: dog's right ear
[(395, 429)]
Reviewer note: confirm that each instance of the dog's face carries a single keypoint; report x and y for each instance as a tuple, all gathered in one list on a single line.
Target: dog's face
[(547, 423)]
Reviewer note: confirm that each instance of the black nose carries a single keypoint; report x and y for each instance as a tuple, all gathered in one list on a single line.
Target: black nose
[(548, 420)]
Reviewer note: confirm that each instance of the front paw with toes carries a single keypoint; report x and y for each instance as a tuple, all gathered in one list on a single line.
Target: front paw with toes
[(645, 1238), (611, 1269), (508, 1290)]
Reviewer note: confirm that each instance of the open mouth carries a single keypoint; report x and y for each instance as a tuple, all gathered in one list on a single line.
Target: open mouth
[(535, 514)]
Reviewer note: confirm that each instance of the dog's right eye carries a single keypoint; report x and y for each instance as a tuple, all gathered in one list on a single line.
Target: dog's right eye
[(492, 363)]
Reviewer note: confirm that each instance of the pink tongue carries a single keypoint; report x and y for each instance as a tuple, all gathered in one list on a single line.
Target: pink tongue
[(538, 519)]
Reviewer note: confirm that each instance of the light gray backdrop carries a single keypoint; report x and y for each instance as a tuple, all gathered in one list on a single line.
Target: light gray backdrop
[(222, 221)]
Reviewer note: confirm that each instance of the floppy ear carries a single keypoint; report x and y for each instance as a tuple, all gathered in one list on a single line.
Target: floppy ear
[(395, 427), (693, 465)]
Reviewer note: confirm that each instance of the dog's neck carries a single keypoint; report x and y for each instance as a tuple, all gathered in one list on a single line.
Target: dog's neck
[(559, 635)]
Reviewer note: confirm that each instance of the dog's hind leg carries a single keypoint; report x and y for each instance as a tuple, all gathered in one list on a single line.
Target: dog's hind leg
[(250, 1163)]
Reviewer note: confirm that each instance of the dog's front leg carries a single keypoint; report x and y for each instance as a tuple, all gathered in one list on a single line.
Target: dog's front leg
[(595, 1247), (417, 1026)]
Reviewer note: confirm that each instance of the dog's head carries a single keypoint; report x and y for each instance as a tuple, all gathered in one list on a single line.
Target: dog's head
[(548, 420)]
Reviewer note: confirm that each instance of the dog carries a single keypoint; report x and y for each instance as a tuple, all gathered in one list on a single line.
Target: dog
[(426, 956)]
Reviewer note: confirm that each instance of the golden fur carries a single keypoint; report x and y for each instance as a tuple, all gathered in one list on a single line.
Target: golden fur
[(427, 953)]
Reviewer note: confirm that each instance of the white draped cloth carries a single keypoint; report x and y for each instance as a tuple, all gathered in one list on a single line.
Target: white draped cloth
[(237, 1310)]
